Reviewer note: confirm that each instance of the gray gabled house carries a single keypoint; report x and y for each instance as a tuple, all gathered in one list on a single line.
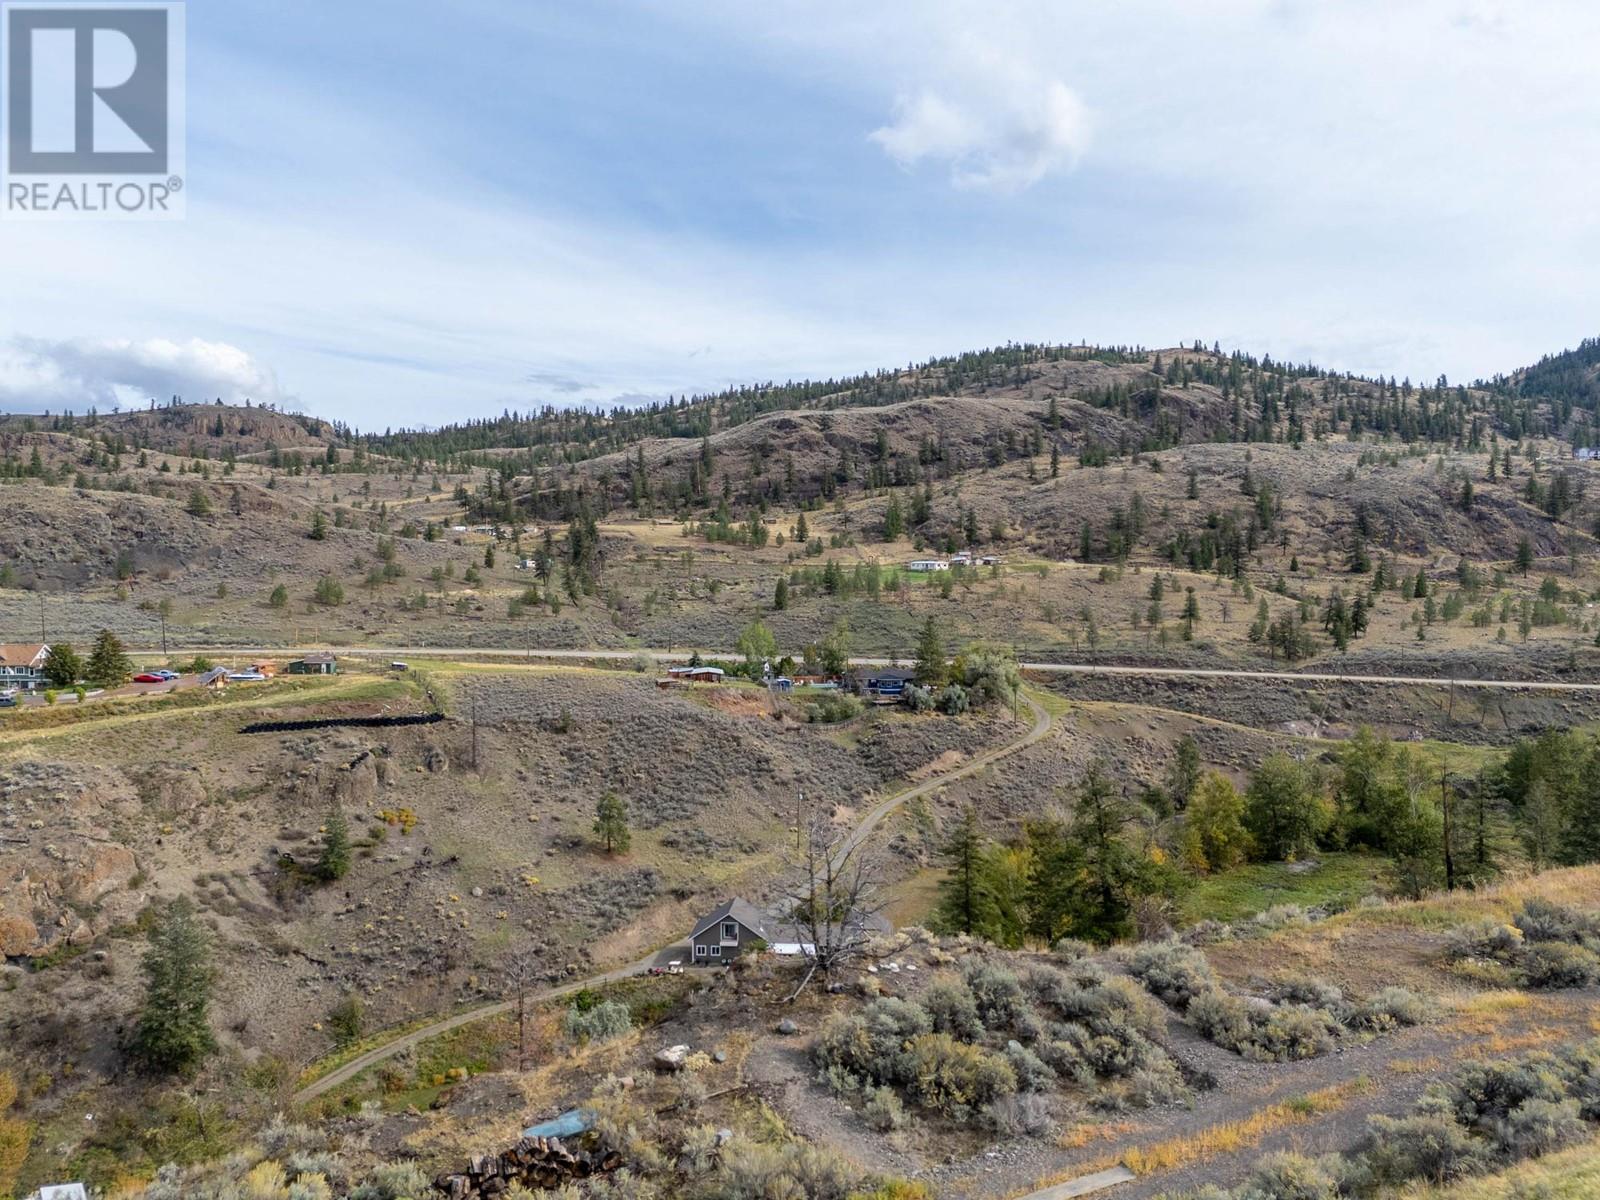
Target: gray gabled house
[(726, 933)]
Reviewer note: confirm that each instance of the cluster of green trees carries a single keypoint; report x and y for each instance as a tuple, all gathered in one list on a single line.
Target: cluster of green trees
[(108, 664), (1082, 875)]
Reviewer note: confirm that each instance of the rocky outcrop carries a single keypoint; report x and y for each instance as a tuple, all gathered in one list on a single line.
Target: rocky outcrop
[(63, 879)]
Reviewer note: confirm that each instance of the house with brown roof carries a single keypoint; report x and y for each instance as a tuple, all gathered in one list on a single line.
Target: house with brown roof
[(22, 666)]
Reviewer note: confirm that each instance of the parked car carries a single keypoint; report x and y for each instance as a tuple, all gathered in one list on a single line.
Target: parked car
[(150, 677), (167, 675), (246, 677), (8, 699)]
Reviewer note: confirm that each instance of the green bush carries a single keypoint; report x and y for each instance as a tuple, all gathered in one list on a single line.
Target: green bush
[(1175, 972), (1558, 965), (604, 1021), (1291, 1177), (884, 1110), (954, 1078), (1429, 1147), (1538, 1126), (1390, 1008), (998, 993), (830, 708), (954, 1009)]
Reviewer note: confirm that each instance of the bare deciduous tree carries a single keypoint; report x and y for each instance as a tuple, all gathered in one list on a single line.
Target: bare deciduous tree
[(834, 896), (521, 973)]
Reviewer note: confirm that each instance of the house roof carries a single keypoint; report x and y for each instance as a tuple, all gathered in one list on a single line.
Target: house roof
[(736, 909), (695, 671), (214, 674), (321, 656), (22, 654)]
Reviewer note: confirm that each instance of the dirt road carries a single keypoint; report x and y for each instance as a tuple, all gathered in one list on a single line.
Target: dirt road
[(497, 654)]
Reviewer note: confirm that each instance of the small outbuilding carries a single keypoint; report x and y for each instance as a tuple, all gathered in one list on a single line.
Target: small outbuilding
[(729, 931), (697, 674), (320, 663)]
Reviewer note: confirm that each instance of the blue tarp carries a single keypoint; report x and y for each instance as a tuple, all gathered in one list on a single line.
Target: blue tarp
[(568, 1124)]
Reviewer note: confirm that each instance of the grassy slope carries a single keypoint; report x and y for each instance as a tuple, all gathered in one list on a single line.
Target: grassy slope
[(1570, 1175)]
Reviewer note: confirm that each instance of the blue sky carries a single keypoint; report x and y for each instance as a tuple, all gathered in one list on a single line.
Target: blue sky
[(415, 212)]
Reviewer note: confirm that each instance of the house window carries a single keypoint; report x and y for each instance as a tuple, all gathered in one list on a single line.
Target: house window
[(699, 951), (730, 931), (716, 952)]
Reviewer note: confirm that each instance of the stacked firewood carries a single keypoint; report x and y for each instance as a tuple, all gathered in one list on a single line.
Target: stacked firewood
[(534, 1162)]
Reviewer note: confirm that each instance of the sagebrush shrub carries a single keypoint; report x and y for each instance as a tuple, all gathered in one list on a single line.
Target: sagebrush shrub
[(1290, 1177), (1427, 1147), (1389, 1008), (884, 1110), (1175, 972), (998, 993), (607, 1020), (1558, 965), (1538, 1126), (953, 1008), (1020, 1116), (953, 1077)]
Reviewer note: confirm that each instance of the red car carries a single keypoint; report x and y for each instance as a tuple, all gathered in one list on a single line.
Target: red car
[(148, 677)]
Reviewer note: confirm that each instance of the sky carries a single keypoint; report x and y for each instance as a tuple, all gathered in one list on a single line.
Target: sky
[(415, 213)]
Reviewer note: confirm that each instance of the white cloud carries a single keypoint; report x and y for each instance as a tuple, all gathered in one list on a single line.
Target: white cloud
[(79, 372), (1008, 139)]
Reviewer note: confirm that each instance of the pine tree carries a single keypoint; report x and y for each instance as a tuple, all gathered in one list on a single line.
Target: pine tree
[(894, 523), (334, 860), (1524, 553), (930, 667), (199, 505), (801, 533), (108, 663), (966, 899), (1184, 772), (780, 594), (173, 1033), (1112, 873), (319, 526), (611, 823), (279, 598)]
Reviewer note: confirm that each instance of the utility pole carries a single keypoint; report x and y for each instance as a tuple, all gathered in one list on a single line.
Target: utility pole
[(1445, 806), (475, 766), (163, 616), (43, 636)]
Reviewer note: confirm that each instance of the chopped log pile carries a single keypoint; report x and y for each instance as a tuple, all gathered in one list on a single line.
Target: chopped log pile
[(534, 1162)]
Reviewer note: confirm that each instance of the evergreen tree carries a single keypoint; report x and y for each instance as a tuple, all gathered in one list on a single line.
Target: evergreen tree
[(894, 522), (173, 1033), (780, 594), (1113, 875), (1524, 555), (334, 860), (199, 505), (319, 526), (62, 666), (611, 823), (1055, 865), (279, 598), (966, 897), (109, 665), (930, 667), (802, 534), (1184, 773)]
